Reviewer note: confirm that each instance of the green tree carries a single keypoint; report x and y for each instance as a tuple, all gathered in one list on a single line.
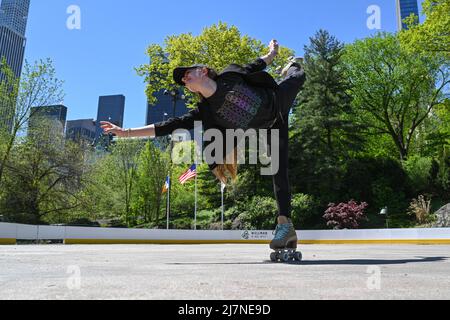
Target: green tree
[(44, 175), (394, 90), (102, 197), (125, 155), (38, 86), (432, 36), (438, 140), (151, 175), (444, 153), (324, 133), (324, 102)]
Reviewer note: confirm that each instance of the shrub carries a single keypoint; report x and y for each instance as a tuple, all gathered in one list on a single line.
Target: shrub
[(380, 182), (304, 208), (181, 223), (418, 170), (420, 208), (257, 214), (386, 195), (83, 222), (443, 175), (345, 215)]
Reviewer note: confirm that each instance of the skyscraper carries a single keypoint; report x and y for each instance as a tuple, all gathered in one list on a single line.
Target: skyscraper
[(55, 115), (14, 15), (13, 23), (111, 109), (404, 9), (163, 109), (81, 130)]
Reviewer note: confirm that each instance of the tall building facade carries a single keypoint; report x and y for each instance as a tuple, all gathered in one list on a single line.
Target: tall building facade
[(111, 109), (405, 8), (13, 23), (14, 15), (55, 116), (164, 108), (81, 130)]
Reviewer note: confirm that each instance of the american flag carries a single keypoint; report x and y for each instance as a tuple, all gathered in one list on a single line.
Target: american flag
[(191, 173)]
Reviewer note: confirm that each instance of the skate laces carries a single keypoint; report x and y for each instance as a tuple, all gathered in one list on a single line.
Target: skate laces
[(281, 231)]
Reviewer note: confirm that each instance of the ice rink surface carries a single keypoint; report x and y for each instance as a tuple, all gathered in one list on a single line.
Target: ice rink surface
[(231, 272)]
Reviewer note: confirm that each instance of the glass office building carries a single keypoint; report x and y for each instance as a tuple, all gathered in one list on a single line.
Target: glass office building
[(111, 109), (14, 15), (405, 8), (13, 23), (81, 130), (164, 108), (55, 115)]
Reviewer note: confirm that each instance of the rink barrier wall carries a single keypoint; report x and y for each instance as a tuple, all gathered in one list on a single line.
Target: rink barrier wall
[(10, 233)]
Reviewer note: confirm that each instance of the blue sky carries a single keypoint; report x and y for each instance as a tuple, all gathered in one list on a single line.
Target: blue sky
[(99, 59)]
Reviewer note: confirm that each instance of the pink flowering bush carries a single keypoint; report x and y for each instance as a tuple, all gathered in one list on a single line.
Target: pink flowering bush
[(345, 215)]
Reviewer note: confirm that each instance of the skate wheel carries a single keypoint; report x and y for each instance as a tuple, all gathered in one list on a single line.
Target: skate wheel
[(298, 256), (273, 256), (285, 257)]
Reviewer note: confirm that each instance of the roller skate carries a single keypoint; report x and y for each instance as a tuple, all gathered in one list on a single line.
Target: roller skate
[(292, 61), (284, 244)]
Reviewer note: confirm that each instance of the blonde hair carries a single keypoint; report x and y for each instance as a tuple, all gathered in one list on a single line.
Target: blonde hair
[(229, 168)]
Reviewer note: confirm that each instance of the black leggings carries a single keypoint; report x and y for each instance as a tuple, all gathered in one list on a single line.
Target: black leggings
[(285, 97)]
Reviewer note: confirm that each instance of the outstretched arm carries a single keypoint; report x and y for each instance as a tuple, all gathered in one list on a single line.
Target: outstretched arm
[(186, 121), (263, 62), (273, 52), (148, 131), (154, 130)]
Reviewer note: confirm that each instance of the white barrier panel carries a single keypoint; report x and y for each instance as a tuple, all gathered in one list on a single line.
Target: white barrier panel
[(94, 235), (27, 232), (30, 232), (147, 234), (8, 231), (376, 234), (117, 235), (51, 233)]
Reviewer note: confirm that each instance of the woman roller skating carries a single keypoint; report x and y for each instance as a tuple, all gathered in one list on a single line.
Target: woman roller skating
[(241, 97)]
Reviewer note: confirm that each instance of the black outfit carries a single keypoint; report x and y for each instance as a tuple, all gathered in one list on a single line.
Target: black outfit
[(247, 97), (237, 105)]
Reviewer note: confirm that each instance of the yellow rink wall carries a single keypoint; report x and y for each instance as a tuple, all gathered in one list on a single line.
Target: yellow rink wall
[(6, 241), (82, 235)]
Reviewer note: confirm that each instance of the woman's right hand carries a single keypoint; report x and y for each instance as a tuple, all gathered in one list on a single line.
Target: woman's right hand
[(274, 47), (109, 127)]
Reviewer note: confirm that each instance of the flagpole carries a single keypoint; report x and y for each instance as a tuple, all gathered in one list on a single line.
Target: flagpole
[(196, 174), (222, 189), (168, 204), (195, 212)]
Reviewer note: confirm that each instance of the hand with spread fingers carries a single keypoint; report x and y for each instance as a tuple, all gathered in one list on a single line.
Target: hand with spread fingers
[(109, 127)]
